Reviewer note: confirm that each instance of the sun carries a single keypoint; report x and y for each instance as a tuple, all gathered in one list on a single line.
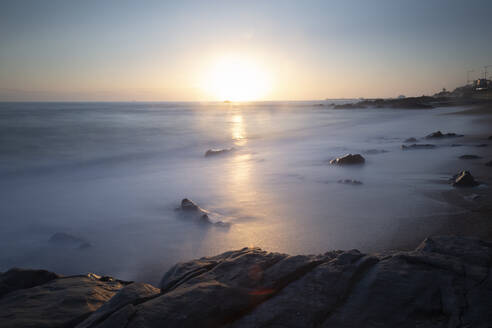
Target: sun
[(236, 79)]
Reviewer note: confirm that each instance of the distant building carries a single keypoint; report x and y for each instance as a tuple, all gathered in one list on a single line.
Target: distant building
[(482, 85)]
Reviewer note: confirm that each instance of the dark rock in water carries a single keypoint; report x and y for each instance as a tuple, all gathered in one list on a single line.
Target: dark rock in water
[(417, 146), (444, 282), (410, 140), (66, 239), (188, 205), (481, 145), (350, 182), (375, 151), (24, 278), (489, 163), (464, 179), (348, 159), (214, 152), (439, 134), (199, 214), (469, 157)]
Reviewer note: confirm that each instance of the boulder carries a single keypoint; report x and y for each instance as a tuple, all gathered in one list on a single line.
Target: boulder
[(444, 282), (67, 240), (215, 152), (410, 140), (439, 134), (348, 159), (417, 146), (62, 302), (464, 179), (350, 182), (192, 210), (16, 278), (469, 157)]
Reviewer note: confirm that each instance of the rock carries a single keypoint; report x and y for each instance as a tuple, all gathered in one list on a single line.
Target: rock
[(190, 209), (444, 282), (350, 182), (410, 140), (481, 145), (472, 197), (16, 278), (132, 294), (489, 163), (469, 157), (464, 179), (67, 240), (62, 302), (417, 146), (214, 152), (348, 159), (439, 134)]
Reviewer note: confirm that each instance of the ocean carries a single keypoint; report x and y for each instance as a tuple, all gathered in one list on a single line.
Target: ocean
[(113, 174)]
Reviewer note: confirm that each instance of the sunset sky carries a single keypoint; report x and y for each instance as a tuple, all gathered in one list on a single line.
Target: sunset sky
[(243, 50)]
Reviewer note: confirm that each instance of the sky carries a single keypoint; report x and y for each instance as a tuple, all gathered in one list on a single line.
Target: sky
[(257, 50)]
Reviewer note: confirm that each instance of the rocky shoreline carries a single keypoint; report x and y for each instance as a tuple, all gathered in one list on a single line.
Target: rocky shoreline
[(445, 282)]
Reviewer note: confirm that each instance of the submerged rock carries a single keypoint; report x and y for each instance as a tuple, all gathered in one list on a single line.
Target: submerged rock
[(417, 146), (469, 157), (444, 282), (464, 179), (348, 159), (439, 134), (214, 152), (350, 182), (65, 239), (410, 140), (188, 207)]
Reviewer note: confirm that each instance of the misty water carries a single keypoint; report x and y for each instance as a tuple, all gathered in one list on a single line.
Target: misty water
[(114, 174)]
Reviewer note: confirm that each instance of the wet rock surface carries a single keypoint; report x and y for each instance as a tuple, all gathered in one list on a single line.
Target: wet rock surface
[(464, 179), (439, 134), (444, 282), (191, 210), (215, 152), (348, 159)]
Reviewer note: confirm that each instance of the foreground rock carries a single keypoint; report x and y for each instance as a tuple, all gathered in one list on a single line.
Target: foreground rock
[(348, 159), (16, 278), (445, 282), (60, 302), (215, 152), (439, 134), (417, 146), (464, 179), (192, 210)]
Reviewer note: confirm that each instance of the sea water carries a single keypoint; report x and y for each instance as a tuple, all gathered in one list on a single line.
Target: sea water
[(113, 174)]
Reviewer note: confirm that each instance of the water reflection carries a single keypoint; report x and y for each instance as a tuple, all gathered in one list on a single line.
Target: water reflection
[(238, 132)]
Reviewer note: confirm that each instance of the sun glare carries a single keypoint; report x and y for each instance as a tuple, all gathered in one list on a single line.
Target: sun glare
[(236, 79)]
